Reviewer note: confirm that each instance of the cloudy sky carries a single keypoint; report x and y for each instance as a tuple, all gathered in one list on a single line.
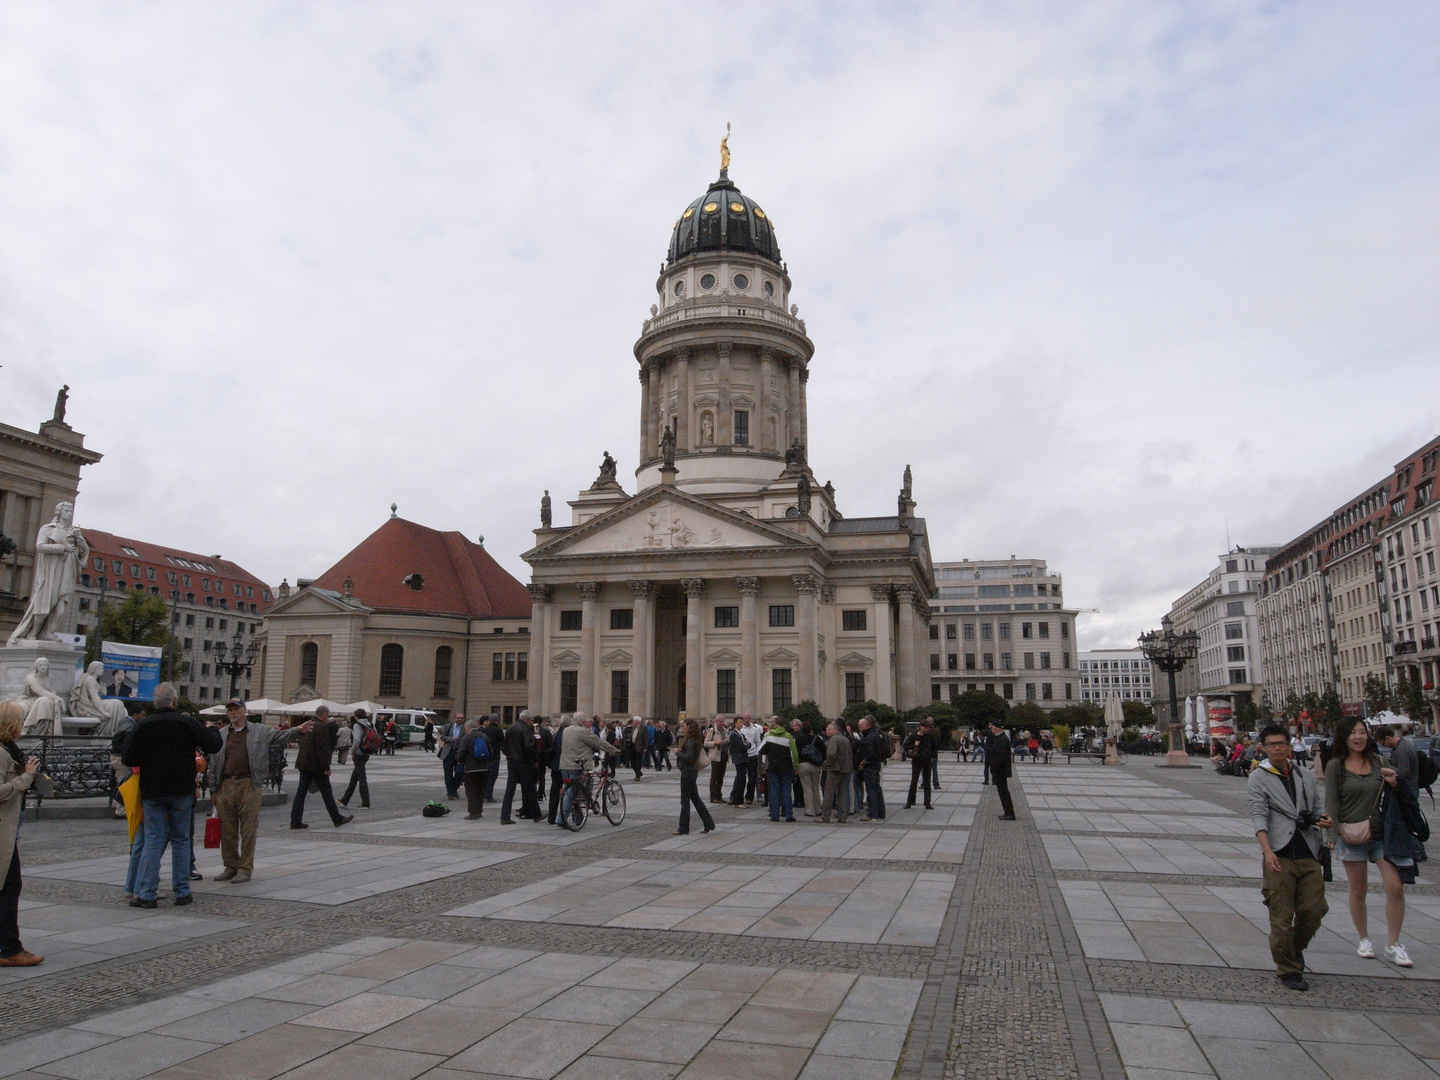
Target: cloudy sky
[(1113, 278)]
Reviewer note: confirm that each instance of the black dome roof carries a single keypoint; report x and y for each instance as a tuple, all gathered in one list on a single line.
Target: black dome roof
[(723, 220)]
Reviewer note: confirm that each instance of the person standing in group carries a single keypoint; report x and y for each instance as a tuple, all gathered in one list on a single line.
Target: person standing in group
[(17, 774), (365, 742), (920, 748), (688, 757), (839, 764), (552, 762), (344, 736), (495, 735), (1285, 811), (811, 748), (237, 784), (980, 743), (870, 761), (777, 750), (473, 756), (739, 749), (639, 744), (120, 772), (313, 764), (520, 760), (717, 753), (163, 748), (544, 754), (662, 740), (428, 743), (612, 736), (449, 747), (999, 763), (578, 747), (1355, 782)]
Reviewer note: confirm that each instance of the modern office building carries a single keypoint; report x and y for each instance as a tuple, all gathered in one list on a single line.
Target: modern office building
[(1222, 610), (1122, 671), (1002, 625)]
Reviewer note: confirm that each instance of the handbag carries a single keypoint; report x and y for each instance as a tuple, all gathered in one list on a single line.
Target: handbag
[(212, 831), (1357, 833)]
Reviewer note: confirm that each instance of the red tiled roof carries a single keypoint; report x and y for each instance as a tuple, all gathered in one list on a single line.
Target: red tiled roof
[(460, 577), (137, 557)]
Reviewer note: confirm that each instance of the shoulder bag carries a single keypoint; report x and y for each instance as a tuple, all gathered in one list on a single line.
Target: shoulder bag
[(1357, 833)]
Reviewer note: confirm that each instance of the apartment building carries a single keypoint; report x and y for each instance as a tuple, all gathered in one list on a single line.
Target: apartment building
[(1122, 671), (1408, 542), (1222, 609)]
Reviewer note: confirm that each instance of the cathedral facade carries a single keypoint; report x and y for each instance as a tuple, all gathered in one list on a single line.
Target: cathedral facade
[(730, 581)]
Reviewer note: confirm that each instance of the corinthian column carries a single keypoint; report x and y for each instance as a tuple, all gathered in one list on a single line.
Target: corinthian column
[(640, 648), (694, 646), (682, 415), (539, 673), (656, 391), (906, 676), (646, 416), (589, 593), (749, 646), (767, 403), (725, 436), (807, 589), (804, 410), (793, 410)]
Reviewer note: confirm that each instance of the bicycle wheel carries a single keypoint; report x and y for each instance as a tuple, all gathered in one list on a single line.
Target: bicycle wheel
[(614, 803), (1123, 757), (573, 810)]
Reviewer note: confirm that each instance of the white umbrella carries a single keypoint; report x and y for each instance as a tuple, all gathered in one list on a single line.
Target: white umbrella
[(370, 707), (1114, 716), (309, 708), (1189, 718), (255, 705), (1202, 714)]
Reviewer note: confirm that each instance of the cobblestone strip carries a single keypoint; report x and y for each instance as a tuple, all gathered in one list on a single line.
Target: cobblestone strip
[(1260, 987)]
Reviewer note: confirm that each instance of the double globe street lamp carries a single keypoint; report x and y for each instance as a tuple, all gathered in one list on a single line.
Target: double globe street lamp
[(1170, 652), (241, 658)]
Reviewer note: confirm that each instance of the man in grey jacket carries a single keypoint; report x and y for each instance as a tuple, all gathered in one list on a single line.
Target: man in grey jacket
[(578, 747), (1287, 816), (839, 764)]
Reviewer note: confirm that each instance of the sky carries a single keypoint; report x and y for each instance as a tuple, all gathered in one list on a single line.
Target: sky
[(1124, 283)]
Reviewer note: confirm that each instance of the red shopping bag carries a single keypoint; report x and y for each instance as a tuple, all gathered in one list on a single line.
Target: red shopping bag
[(212, 831)]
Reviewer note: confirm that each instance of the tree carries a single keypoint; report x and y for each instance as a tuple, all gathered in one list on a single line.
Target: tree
[(1292, 708), (141, 619), (1410, 700), (1081, 715), (941, 713), (1328, 711), (1377, 693), (1060, 733), (1248, 716), (976, 709), (1138, 714), (804, 710), (884, 714), (1029, 716)]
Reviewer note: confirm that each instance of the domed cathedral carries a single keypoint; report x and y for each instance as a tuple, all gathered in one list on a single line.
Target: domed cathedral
[(730, 582)]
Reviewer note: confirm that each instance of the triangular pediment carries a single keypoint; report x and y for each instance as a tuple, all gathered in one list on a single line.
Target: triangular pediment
[(313, 601), (854, 659), (781, 655), (565, 656), (724, 656), (619, 656), (665, 519)]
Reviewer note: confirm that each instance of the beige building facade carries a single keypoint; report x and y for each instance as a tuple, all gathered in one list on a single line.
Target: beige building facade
[(730, 581), (1223, 611)]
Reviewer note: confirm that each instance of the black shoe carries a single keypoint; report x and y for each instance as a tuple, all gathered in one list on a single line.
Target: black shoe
[(1007, 817), (196, 875), (929, 807), (181, 901), (507, 821), (1294, 981), (710, 828), (364, 806), (137, 902), (345, 820), (298, 825)]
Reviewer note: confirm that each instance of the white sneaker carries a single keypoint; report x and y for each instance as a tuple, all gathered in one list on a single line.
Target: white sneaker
[(1366, 950), (1397, 955)]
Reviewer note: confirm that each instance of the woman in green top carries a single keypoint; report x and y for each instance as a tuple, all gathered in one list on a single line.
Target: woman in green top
[(1354, 781)]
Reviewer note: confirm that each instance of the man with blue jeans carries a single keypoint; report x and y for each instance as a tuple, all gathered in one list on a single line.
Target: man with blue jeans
[(777, 750), (578, 746), (163, 748)]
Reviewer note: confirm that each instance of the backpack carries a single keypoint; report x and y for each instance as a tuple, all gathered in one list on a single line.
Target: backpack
[(434, 809), (1427, 771), (480, 747), (888, 741), (370, 741)]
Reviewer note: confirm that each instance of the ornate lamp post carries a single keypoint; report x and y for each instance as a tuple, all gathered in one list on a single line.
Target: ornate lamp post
[(1170, 652), (242, 658)]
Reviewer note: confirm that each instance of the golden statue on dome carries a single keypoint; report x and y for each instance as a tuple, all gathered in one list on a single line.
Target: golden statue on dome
[(725, 149)]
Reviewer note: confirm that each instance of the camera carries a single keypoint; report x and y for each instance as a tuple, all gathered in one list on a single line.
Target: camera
[(1307, 819)]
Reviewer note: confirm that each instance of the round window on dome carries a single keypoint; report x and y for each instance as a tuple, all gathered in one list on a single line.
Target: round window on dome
[(737, 208), (742, 282), (689, 213), (711, 207), (769, 288), (759, 213), (679, 288), (707, 281)]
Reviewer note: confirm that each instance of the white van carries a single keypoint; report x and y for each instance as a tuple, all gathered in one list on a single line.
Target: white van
[(409, 723)]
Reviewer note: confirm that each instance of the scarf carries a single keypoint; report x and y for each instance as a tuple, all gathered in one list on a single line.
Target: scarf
[(14, 752)]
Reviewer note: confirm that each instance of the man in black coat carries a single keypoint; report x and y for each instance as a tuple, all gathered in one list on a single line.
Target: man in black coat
[(920, 748), (313, 764), (163, 747), (998, 760), (495, 736), (521, 754)]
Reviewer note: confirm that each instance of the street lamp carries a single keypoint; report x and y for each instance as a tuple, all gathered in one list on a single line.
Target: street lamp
[(242, 658), (1170, 652)]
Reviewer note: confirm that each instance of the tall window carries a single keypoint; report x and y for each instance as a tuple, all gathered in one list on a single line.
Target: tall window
[(309, 663), (522, 667), (725, 690), (619, 691), (569, 690), (622, 618), (443, 657), (509, 667), (779, 689), (1044, 629), (497, 667), (392, 667), (855, 620), (726, 616), (855, 687), (1044, 659), (742, 428), (782, 614), (570, 620)]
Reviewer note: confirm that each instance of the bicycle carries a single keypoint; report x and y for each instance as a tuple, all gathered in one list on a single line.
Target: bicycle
[(594, 791)]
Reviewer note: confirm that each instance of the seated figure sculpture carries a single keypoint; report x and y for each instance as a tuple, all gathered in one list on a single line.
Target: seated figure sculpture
[(41, 704), (86, 700)]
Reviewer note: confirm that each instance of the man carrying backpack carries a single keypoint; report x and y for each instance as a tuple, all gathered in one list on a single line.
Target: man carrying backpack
[(366, 744), (473, 757)]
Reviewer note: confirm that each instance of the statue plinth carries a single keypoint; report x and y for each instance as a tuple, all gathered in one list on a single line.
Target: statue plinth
[(18, 660), (1112, 753)]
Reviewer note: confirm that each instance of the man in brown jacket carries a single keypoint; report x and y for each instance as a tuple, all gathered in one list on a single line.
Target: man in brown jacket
[(839, 764), (313, 764)]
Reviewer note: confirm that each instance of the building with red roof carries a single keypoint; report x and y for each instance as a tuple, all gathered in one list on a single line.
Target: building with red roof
[(412, 617)]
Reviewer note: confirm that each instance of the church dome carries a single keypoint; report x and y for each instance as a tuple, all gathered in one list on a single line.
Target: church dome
[(723, 220)]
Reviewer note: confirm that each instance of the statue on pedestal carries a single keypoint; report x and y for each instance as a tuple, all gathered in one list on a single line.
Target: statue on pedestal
[(802, 494), (86, 699), (545, 510), (795, 455), (60, 551), (60, 401), (667, 448), (608, 469), (41, 704)]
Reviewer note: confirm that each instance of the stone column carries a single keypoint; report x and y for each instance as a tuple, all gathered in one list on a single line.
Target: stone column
[(832, 682), (682, 415), (884, 689), (906, 677), (793, 412), (725, 420), (749, 646), (807, 677), (585, 695), (804, 410), (640, 648), (646, 416), (762, 437), (694, 646), (656, 391), (538, 690)]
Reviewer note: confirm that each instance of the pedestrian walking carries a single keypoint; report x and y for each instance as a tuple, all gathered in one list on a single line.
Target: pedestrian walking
[(520, 761), (495, 736), (428, 742), (811, 748), (449, 747), (1355, 782), (639, 741), (777, 751), (717, 753), (662, 740), (998, 761), (344, 736), (1285, 811), (921, 749), (312, 761), (163, 748), (687, 758), (869, 762), (473, 756), (238, 771), (365, 745), (839, 764), (555, 744), (17, 775)]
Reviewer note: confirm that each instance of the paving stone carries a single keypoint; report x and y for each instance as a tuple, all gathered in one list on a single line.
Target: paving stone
[(1246, 1059), (534, 1049), (1350, 1059), (127, 1059), (364, 1013)]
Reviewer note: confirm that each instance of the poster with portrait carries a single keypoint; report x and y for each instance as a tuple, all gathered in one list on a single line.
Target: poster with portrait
[(131, 671)]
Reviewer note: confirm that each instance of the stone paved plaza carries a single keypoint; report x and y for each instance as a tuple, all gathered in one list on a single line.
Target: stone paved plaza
[(1115, 931)]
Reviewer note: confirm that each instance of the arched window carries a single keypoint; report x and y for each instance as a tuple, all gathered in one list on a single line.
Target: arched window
[(392, 666), (443, 656), (309, 663)]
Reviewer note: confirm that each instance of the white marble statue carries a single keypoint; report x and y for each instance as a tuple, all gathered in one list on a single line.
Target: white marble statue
[(60, 551), (86, 700), (41, 704)]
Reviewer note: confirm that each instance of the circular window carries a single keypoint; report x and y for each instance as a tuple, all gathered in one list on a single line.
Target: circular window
[(759, 213), (711, 207), (737, 208), (688, 213), (679, 288), (707, 281), (769, 288), (742, 282)]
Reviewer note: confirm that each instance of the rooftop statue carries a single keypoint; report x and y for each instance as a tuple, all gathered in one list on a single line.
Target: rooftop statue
[(725, 149), (60, 551), (802, 494), (667, 448), (607, 467), (60, 400), (795, 455), (545, 510)]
